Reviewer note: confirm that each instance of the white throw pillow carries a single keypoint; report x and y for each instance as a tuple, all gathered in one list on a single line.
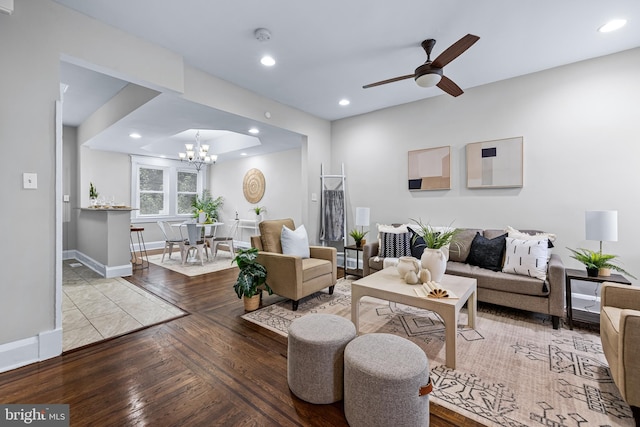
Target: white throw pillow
[(526, 257), (295, 242), (525, 236)]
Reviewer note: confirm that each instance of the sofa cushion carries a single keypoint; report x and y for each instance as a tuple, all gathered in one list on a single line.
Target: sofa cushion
[(314, 267), (417, 244), (461, 244), (395, 245), (526, 257), (295, 242), (531, 235), (270, 231), (499, 281), (487, 253)]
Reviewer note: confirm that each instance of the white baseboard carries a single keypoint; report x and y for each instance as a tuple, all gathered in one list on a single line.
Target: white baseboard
[(103, 270), (23, 352)]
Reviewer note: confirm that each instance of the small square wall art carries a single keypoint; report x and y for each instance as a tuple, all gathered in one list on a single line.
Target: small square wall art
[(430, 169), (495, 164)]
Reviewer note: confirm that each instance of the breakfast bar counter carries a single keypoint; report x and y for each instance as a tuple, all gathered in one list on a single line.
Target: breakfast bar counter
[(103, 240)]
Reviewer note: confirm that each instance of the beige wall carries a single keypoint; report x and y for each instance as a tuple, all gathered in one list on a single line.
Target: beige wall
[(581, 153), (37, 36)]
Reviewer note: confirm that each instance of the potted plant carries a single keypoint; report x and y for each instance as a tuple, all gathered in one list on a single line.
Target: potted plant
[(206, 205), (93, 193), (252, 278), (259, 210), (358, 236), (597, 263), (436, 248)]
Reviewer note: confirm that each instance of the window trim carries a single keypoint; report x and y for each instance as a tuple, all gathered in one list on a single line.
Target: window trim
[(172, 167)]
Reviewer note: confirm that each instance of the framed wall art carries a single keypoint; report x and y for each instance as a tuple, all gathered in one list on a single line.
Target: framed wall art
[(495, 164), (430, 169)]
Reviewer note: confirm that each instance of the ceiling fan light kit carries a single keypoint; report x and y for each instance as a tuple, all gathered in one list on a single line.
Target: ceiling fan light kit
[(430, 73), (429, 79)]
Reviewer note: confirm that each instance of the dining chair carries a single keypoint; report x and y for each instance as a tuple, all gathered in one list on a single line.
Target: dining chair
[(170, 238), (224, 242), (193, 243)]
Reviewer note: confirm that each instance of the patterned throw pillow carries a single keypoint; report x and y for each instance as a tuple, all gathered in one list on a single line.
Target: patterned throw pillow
[(487, 253), (395, 245), (527, 257)]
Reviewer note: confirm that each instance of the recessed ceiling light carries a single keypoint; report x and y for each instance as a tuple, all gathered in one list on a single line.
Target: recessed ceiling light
[(612, 25), (243, 154), (135, 135), (268, 61), (254, 131), (344, 102)]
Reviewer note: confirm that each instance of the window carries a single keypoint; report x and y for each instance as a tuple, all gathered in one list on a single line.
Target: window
[(163, 189)]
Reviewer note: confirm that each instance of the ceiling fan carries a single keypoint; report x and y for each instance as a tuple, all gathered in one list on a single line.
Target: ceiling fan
[(430, 73)]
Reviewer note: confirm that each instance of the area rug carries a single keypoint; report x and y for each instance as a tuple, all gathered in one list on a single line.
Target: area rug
[(513, 370), (222, 262)]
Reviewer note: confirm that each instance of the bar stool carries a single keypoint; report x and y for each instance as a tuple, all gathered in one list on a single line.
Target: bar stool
[(140, 261)]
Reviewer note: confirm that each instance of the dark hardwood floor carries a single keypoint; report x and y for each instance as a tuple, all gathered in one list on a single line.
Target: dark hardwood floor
[(207, 368)]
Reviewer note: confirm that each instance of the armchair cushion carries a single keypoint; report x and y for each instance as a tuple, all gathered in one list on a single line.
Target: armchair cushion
[(270, 231)]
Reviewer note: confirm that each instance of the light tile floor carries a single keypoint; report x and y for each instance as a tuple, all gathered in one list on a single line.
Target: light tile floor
[(95, 308)]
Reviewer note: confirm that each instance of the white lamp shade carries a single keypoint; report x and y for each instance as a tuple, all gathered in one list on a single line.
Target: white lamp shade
[(601, 225), (362, 217)]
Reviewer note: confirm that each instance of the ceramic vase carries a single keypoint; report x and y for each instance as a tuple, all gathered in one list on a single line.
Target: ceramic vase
[(407, 264), (435, 261)]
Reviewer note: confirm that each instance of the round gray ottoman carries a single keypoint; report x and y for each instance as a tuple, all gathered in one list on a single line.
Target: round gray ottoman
[(384, 376), (315, 356)]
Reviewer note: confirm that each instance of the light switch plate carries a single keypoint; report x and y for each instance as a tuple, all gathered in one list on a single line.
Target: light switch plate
[(29, 181)]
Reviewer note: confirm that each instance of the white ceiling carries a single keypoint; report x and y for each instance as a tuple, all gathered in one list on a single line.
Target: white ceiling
[(327, 50)]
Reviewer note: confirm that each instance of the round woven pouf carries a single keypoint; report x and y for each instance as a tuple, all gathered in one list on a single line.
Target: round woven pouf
[(315, 356), (383, 378)]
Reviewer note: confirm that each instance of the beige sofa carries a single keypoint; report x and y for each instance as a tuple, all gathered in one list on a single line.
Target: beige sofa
[(620, 335), (496, 287), (292, 276)]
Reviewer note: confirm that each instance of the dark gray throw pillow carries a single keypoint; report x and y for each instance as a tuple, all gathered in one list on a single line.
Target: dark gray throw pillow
[(487, 253), (417, 244)]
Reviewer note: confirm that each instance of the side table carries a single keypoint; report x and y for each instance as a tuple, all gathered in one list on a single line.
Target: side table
[(571, 274), (353, 271)]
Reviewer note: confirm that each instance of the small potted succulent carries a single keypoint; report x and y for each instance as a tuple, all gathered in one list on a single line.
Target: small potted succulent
[(597, 263), (252, 278), (358, 237)]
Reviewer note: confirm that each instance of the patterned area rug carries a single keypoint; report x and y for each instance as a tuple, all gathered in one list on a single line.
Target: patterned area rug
[(222, 262), (513, 370)]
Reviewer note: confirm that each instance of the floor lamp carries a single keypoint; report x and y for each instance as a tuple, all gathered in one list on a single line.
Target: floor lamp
[(602, 226)]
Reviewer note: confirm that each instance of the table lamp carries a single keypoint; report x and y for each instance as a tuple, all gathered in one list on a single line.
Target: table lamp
[(362, 218), (602, 226)]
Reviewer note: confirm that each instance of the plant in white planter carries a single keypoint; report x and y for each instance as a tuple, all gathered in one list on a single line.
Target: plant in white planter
[(436, 248)]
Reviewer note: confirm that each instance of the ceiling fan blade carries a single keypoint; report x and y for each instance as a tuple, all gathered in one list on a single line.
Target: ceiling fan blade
[(455, 50), (447, 85), (383, 82)]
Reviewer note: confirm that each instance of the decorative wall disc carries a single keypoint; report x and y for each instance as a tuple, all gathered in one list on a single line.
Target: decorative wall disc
[(253, 185)]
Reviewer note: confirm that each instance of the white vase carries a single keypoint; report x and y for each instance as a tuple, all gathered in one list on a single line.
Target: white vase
[(435, 261), (407, 264)]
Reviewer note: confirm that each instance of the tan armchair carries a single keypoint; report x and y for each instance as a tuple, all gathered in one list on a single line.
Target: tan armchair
[(292, 276), (620, 335)]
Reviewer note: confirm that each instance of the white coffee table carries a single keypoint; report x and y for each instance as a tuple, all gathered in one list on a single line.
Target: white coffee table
[(387, 285)]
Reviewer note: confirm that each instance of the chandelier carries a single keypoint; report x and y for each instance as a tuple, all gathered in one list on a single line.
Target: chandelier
[(197, 155)]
